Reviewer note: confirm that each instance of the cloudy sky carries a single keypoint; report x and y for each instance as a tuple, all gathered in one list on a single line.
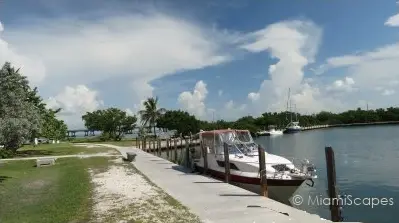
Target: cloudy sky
[(212, 58)]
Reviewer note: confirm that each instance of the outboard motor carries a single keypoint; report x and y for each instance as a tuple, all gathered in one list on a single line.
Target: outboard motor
[(310, 170)]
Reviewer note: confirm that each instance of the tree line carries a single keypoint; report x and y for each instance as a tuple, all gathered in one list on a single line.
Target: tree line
[(183, 123), (23, 114)]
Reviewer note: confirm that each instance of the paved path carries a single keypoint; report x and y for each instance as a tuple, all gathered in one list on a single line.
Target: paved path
[(212, 200)]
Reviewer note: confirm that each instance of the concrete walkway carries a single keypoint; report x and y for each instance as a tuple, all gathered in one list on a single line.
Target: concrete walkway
[(213, 200)]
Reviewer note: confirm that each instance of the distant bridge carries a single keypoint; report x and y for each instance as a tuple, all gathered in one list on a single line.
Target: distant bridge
[(87, 132)]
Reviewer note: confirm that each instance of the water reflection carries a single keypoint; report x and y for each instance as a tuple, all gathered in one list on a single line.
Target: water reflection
[(366, 165)]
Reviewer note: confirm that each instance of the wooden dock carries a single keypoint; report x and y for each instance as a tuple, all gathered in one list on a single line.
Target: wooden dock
[(212, 200)]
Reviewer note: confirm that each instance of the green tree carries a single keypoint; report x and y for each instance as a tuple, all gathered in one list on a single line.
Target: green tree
[(178, 120), (53, 128), (113, 122), (151, 113), (20, 117)]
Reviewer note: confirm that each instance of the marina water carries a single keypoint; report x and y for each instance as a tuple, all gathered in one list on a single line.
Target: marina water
[(367, 167)]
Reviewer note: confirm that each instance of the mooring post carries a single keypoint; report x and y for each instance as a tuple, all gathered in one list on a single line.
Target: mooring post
[(205, 156), (262, 171), (154, 149), (332, 190), (159, 147), (175, 144), (226, 163), (167, 147), (187, 153)]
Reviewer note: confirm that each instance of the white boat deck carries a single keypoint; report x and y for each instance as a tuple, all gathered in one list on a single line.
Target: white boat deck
[(212, 200)]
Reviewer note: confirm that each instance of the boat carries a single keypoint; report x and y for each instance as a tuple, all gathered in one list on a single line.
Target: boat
[(283, 177), (271, 132), (274, 132), (262, 133), (293, 126)]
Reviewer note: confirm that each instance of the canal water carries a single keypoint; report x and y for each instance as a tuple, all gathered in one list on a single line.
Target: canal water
[(367, 169)]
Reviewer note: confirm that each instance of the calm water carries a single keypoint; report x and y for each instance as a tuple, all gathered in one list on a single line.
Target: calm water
[(367, 166)]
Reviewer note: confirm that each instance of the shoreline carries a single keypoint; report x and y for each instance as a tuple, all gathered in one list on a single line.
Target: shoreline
[(349, 125)]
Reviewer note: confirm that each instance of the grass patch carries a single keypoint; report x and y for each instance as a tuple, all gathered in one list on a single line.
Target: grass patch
[(59, 149), (123, 142), (59, 193)]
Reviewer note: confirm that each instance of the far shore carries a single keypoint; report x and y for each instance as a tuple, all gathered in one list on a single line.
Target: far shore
[(349, 125)]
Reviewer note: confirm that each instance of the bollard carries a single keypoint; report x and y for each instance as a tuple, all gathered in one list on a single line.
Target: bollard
[(167, 148), (332, 190), (175, 156), (262, 171), (226, 163)]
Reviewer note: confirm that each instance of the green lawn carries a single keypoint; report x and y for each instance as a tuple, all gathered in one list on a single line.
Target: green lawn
[(59, 193), (123, 142), (59, 149)]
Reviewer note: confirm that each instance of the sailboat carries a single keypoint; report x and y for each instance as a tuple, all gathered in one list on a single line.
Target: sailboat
[(293, 126)]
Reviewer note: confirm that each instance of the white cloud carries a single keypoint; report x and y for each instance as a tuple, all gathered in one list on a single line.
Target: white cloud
[(388, 92), (32, 68), (75, 100), (220, 92), (253, 96), (344, 85), (294, 44), (194, 102), (142, 46), (231, 111), (393, 21), (376, 68)]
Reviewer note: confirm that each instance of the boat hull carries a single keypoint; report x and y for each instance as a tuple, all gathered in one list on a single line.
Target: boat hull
[(278, 189), (291, 131)]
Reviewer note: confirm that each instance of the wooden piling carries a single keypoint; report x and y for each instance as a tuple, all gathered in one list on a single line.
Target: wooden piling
[(205, 156), (167, 147), (262, 172), (332, 190), (226, 163), (175, 144), (154, 149), (159, 147)]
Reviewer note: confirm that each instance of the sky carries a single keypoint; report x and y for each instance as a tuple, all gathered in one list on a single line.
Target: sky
[(215, 59)]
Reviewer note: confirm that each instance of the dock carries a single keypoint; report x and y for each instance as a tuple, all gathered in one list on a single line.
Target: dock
[(212, 200)]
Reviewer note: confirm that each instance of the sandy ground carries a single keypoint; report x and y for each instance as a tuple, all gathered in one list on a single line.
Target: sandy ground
[(122, 194)]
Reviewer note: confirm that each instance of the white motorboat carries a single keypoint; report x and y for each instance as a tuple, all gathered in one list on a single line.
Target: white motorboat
[(274, 132), (283, 178)]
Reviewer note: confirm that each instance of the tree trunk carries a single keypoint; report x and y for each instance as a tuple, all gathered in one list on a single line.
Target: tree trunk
[(155, 134)]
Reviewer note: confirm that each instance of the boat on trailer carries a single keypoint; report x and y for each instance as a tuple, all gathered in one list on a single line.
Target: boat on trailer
[(283, 177)]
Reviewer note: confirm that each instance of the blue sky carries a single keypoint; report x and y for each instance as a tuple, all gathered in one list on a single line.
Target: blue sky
[(222, 58)]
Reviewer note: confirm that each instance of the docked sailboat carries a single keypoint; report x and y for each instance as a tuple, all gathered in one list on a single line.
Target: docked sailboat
[(283, 178), (293, 126)]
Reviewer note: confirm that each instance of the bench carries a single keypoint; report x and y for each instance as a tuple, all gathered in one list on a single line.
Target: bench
[(45, 162)]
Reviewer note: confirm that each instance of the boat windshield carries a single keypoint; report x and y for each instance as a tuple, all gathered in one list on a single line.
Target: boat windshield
[(244, 136), (233, 149)]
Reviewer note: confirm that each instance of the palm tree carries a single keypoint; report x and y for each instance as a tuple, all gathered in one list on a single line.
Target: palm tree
[(150, 114)]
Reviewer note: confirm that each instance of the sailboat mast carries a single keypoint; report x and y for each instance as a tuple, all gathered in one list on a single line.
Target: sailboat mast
[(289, 101)]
